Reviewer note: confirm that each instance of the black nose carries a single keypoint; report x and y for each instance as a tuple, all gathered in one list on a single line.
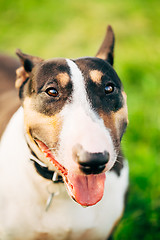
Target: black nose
[(90, 163)]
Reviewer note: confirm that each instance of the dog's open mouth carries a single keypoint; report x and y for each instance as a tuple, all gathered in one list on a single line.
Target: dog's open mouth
[(86, 190)]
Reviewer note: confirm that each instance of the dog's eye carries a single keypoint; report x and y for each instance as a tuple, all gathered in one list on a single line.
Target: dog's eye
[(109, 88), (52, 92)]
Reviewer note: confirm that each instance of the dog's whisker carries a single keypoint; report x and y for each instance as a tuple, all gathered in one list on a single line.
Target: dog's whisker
[(119, 162), (120, 157)]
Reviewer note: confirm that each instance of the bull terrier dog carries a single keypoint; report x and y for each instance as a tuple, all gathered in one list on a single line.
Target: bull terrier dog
[(62, 172)]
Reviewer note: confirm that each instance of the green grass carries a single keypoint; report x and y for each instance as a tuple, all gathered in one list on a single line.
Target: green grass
[(75, 28)]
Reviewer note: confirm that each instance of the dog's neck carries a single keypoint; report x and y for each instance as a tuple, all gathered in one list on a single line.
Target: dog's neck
[(43, 170)]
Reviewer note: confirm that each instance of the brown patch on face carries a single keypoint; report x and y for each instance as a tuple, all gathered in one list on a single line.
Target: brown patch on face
[(42, 127), (63, 78), (109, 122), (121, 116), (116, 121), (96, 76)]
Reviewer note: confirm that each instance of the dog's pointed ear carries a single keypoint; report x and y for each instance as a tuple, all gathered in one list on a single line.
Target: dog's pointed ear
[(106, 50), (28, 62)]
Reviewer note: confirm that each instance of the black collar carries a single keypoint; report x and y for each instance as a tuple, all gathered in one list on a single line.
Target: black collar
[(43, 170)]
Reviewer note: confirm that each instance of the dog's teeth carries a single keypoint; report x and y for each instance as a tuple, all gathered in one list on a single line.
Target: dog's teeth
[(55, 177)]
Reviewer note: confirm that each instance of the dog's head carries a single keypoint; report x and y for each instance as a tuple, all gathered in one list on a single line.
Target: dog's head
[(75, 114)]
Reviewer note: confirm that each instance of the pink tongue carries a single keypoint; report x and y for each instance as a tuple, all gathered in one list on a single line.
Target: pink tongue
[(86, 190)]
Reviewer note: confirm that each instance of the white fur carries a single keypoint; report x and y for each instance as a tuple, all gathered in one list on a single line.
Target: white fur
[(83, 124), (23, 197)]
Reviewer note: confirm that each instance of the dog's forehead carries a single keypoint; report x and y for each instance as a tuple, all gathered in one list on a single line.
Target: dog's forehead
[(97, 70), (52, 69), (92, 69)]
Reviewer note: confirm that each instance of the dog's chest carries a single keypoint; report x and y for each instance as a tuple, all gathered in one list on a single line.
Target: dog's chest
[(65, 219)]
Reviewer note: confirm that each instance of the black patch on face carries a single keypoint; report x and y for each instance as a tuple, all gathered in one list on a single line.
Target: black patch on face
[(96, 92), (43, 77)]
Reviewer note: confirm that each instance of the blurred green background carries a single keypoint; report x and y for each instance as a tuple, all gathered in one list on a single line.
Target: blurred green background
[(49, 28)]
